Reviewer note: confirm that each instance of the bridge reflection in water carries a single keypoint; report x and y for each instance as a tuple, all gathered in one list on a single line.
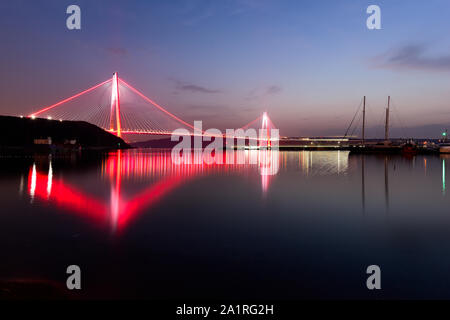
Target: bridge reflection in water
[(153, 169), (315, 203)]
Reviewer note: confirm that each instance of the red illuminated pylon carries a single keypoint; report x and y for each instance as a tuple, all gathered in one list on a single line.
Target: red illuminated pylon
[(265, 125), (115, 105)]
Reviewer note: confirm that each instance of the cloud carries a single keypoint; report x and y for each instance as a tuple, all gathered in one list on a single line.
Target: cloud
[(209, 112), (244, 6), (411, 57), (183, 86), (273, 89), (196, 88), (199, 17), (197, 12), (208, 108), (262, 92), (219, 113), (118, 51)]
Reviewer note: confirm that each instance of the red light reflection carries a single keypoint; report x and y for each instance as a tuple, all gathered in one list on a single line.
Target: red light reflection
[(134, 166)]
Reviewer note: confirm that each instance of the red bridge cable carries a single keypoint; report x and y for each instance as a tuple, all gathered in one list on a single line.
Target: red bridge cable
[(68, 99), (251, 122), (155, 104)]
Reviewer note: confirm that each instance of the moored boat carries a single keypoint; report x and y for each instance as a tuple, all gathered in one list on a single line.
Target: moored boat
[(444, 148), (409, 148)]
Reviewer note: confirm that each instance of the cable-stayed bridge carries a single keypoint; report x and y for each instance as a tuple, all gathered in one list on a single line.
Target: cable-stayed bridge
[(109, 106)]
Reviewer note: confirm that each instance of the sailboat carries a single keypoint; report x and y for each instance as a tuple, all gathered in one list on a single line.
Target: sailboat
[(386, 145)]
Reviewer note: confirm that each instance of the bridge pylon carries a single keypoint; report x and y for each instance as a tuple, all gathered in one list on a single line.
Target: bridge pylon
[(115, 105), (265, 126)]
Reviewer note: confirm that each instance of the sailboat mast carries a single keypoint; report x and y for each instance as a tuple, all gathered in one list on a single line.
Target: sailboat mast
[(386, 128), (364, 121)]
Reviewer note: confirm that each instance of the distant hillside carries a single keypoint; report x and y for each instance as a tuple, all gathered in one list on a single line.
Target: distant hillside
[(21, 132)]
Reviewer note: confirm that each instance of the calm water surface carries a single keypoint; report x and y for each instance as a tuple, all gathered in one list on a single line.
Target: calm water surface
[(140, 226)]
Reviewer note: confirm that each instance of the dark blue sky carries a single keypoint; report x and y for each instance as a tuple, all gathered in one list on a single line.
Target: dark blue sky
[(225, 61)]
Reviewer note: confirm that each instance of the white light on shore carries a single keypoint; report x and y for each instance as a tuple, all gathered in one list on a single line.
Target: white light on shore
[(49, 118)]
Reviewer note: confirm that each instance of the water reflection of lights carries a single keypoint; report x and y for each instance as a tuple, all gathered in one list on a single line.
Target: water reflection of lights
[(49, 179), (443, 176), (339, 162), (33, 182), (323, 162), (138, 166), (164, 176), (268, 167)]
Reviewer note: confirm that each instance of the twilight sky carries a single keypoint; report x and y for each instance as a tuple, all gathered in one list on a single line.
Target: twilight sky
[(308, 63)]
